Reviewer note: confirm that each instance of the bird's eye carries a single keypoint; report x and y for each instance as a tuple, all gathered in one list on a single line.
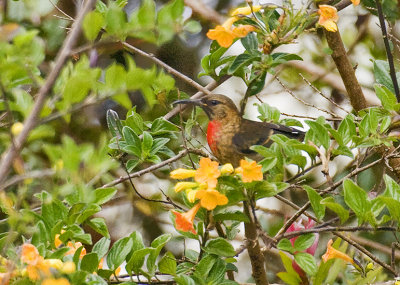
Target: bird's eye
[(214, 102)]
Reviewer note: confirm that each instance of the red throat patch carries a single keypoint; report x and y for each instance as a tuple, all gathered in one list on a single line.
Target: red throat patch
[(212, 134)]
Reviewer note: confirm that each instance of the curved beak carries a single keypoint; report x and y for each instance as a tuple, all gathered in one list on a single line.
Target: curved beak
[(197, 102)]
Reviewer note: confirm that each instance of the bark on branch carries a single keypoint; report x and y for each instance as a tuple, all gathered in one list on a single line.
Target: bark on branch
[(346, 70)]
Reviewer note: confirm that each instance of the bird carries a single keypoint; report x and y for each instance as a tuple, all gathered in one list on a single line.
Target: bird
[(230, 136)]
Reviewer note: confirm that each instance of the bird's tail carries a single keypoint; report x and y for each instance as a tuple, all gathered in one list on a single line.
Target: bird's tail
[(290, 132)]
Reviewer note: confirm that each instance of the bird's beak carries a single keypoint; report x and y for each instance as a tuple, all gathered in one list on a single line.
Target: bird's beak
[(197, 102)]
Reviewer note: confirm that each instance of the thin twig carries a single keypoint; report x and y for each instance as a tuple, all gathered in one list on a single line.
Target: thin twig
[(389, 55), (152, 168), (168, 68), (302, 101)]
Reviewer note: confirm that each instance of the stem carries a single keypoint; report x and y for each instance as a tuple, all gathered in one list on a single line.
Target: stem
[(387, 48), (346, 70), (253, 248)]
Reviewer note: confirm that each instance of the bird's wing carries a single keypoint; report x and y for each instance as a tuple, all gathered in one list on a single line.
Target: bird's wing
[(258, 133)]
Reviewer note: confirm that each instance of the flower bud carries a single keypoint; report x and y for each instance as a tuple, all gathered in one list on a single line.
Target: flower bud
[(184, 185), (227, 169), (181, 173), (16, 128)]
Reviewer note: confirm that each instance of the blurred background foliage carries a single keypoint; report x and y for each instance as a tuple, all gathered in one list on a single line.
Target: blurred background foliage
[(69, 154)]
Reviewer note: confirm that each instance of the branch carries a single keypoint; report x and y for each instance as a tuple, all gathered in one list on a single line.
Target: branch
[(388, 51), (31, 121), (151, 168), (168, 68), (346, 70)]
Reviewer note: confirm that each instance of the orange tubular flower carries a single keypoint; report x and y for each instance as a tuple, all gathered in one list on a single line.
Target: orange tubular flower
[(208, 172), (355, 2), (225, 35), (73, 247), (184, 221), (334, 253), (328, 17), (211, 198), (250, 171)]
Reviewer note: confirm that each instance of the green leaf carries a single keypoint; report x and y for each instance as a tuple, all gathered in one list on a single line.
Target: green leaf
[(167, 264), (137, 241), (306, 262), (232, 216), (257, 84), (90, 262), (288, 264), (250, 42), (115, 21), (92, 24), (268, 113), (382, 75), (304, 241), (288, 278), (133, 142), (161, 240), (315, 200), (101, 247), (240, 61), (137, 260), (393, 207), (330, 203), (115, 77), (147, 143), (392, 188), (356, 199), (386, 96), (99, 225), (285, 245), (113, 123), (103, 195), (220, 247), (89, 211), (147, 14), (192, 27), (317, 134), (118, 252)]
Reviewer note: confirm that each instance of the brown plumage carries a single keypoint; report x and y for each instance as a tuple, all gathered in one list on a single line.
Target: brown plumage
[(229, 135)]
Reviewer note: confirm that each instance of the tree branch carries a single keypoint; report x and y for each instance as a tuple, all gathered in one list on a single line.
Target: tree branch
[(346, 70)]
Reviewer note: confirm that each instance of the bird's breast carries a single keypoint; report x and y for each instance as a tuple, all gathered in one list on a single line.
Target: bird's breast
[(213, 134)]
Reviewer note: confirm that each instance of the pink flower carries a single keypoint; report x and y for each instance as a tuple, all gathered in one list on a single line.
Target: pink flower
[(298, 226)]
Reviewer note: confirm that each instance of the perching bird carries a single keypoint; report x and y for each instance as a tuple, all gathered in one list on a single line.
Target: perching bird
[(229, 135)]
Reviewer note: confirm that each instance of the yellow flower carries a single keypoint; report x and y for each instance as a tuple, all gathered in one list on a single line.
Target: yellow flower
[(245, 10), (54, 281), (54, 263), (73, 247), (16, 128), (38, 270), (211, 198), (208, 172), (184, 221), (227, 169), (250, 171), (328, 17), (185, 185), (191, 195), (181, 173), (334, 253), (225, 35), (355, 2), (68, 267), (29, 254)]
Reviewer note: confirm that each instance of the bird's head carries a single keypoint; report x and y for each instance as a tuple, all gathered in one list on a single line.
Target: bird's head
[(216, 106)]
